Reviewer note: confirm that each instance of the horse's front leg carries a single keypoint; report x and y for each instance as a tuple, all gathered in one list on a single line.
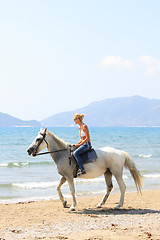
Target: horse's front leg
[(61, 182), (72, 190)]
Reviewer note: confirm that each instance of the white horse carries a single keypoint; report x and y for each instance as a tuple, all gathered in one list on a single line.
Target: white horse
[(110, 162)]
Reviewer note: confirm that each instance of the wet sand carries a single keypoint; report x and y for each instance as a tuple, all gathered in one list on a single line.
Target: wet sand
[(139, 218)]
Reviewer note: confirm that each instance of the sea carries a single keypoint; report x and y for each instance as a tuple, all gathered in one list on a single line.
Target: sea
[(26, 178)]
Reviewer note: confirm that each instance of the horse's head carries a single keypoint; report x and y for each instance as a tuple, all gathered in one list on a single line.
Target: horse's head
[(38, 144)]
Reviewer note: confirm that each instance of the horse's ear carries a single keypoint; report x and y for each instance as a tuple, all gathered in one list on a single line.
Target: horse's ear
[(40, 130), (45, 130)]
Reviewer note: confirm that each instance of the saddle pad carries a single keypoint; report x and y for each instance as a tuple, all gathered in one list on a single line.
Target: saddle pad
[(89, 156)]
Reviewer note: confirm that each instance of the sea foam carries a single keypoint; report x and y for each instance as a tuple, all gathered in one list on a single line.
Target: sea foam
[(145, 156)]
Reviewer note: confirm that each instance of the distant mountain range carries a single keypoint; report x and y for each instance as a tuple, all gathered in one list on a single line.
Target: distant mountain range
[(9, 121), (121, 112)]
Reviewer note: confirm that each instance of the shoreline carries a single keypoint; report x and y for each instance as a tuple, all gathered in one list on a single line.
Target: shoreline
[(139, 218), (68, 196)]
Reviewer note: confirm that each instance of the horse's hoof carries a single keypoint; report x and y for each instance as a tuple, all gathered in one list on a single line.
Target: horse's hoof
[(65, 204), (72, 209), (117, 207), (99, 206)]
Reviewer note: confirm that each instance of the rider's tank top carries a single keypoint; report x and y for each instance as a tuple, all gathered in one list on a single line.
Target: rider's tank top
[(82, 133)]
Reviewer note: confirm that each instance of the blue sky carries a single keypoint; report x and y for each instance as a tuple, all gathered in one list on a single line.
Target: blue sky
[(57, 56)]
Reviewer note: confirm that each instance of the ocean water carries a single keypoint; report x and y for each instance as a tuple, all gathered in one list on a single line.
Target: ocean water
[(24, 178)]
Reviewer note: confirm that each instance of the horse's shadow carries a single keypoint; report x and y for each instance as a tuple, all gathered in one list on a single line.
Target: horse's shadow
[(108, 211)]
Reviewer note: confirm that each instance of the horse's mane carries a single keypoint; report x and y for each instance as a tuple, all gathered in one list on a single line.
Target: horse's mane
[(58, 140)]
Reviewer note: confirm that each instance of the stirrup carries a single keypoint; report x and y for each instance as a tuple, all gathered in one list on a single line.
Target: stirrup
[(81, 172)]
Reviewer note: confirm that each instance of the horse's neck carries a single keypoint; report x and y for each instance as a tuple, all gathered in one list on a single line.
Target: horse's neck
[(55, 143)]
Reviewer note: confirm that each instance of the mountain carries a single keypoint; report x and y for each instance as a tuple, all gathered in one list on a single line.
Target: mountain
[(123, 111), (9, 121)]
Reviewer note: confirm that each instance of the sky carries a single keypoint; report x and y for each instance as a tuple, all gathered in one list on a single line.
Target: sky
[(61, 55)]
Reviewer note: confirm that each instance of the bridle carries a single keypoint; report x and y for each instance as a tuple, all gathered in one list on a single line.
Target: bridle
[(43, 139)]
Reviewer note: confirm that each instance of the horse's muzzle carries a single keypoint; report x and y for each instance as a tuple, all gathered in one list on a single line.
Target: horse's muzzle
[(32, 151)]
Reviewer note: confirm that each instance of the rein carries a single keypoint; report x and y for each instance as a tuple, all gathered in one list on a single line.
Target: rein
[(51, 151)]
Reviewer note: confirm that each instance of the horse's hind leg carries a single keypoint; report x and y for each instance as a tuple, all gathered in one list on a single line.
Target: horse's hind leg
[(61, 182), (122, 187), (109, 185)]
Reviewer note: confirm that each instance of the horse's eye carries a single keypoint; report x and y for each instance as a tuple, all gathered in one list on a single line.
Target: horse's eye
[(39, 139)]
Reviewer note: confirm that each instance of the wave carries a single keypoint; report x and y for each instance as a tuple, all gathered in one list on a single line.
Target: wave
[(27, 164), (45, 185), (29, 185), (151, 175), (6, 185), (145, 156), (33, 185), (24, 164), (10, 200)]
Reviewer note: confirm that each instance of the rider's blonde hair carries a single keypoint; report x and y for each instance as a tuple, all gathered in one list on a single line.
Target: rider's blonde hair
[(79, 116)]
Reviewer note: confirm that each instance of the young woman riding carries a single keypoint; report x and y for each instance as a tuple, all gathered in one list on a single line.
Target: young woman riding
[(84, 144)]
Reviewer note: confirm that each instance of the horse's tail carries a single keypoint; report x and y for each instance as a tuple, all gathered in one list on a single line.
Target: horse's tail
[(138, 179)]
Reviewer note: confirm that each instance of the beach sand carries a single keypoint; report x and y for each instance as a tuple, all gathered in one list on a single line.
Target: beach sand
[(139, 218)]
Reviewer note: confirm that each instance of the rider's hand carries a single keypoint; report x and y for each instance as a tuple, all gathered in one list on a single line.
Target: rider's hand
[(73, 147)]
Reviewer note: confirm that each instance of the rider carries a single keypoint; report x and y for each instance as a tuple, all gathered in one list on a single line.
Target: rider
[(84, 144)]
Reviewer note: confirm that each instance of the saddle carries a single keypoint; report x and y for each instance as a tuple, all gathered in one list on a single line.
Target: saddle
[(87, 157)]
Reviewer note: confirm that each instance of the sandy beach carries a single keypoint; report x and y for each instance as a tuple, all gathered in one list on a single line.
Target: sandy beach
[(139, 218)]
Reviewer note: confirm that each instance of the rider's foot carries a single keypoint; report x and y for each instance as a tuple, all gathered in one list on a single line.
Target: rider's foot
[(81, 172)]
